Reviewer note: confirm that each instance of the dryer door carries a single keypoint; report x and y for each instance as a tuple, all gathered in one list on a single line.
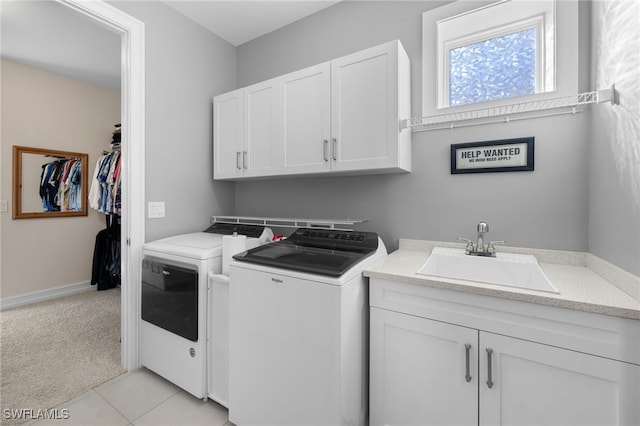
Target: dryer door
[(170, 296)]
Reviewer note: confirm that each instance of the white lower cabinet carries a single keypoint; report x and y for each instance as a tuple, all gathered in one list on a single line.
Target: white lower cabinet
[(434, 372), (532, 383), (418, 371)]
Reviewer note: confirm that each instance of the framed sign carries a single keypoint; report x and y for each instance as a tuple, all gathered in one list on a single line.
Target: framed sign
[(507, 155)]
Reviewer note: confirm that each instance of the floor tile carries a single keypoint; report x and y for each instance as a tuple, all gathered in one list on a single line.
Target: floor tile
[(92, 410), (137, 393), (186, 410)]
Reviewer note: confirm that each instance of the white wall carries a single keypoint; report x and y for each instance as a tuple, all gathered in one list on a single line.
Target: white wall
[(614, 157), (186, 66), (546, 208)]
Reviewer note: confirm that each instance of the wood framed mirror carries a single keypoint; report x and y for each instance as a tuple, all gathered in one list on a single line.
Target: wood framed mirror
[(49, 183)]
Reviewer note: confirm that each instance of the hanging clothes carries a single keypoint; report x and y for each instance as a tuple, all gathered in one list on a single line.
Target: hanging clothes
[(105, 271), (61, 185), (104, 196), (106, 184)]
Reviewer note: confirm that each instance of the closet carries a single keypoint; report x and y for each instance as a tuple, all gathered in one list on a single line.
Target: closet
[(105, 197)]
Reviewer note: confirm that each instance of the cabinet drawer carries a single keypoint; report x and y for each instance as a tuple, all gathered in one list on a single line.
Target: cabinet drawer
[(601, 335)]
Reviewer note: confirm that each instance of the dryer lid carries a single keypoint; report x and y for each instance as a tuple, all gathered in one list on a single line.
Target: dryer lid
[(208, 243), (198, 245)]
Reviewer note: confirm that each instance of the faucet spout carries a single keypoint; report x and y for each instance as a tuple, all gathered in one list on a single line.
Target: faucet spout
[(483, 228), (480, 248)]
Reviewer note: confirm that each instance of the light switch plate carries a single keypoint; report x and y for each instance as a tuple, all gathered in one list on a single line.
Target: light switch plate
[(4, 206), (155, 209)]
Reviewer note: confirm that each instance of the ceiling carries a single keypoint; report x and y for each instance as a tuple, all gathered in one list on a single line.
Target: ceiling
[(51, 36), (240, 21)]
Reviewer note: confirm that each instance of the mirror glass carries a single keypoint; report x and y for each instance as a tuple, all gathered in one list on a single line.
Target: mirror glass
[(49, 183)]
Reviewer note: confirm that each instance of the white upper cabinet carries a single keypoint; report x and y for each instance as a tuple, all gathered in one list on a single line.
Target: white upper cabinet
[(341, 116), (370, 94), (261, 155), (227, 135), (307, 120)]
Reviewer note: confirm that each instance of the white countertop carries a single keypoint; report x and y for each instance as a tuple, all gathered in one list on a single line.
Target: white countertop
[(610, 291)]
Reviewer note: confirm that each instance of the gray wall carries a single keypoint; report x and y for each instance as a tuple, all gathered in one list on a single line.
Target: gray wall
[(546, 208), (614, 158), (186, 66)]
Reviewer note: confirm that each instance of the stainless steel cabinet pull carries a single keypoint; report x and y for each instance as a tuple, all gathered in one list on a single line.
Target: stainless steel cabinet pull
[(166, 273), (326, 149), (489, 380), (335, 149), (244, 159), (238, 165), (276, 280), (467, 349)]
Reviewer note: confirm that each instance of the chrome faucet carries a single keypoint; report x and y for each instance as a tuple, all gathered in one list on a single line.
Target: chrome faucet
[(479, 248)]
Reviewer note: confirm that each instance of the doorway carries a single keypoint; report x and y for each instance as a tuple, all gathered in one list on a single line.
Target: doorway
[(131, 32)]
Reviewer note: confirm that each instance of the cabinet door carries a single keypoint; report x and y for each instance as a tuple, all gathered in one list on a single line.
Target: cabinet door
[(364, 110), (262, 155), (307, 115), (538, 384), (419, 371), (227, 135)]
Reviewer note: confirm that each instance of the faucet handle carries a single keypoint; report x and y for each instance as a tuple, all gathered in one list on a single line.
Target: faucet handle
[(491, 248), (469, 247)]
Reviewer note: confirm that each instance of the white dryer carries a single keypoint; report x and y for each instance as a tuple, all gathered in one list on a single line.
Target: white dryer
[(173, 323)]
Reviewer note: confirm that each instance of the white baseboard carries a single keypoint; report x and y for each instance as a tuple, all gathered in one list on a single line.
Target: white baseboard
[(39, 296)]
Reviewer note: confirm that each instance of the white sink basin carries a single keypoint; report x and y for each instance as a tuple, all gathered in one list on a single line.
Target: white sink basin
[(508, 269)]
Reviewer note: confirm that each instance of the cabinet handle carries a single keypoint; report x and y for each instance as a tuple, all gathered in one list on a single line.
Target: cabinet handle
[(467, 349), (335, 148), (238, 166), (244, 159), (489, 379), (325, 148), (276, 280)]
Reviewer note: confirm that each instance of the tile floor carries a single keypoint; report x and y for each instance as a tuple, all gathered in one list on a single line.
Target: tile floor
[(140, 398)]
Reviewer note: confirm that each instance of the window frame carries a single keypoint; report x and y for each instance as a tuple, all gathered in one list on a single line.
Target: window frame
[(560, 64)]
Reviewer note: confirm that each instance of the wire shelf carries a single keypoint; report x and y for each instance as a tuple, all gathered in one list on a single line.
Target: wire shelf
[(512, 112), (338, 224)]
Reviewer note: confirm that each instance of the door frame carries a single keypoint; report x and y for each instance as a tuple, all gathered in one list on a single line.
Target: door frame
[(132, 32)]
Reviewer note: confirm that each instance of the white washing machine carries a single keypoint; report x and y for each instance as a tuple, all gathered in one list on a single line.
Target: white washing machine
[(173, 323), (299, 330)]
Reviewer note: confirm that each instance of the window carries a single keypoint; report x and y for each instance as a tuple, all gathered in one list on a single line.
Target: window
[(497, 52), (497, 68)]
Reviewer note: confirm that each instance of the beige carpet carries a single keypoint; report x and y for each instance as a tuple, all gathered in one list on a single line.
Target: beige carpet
[(56, 350)]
